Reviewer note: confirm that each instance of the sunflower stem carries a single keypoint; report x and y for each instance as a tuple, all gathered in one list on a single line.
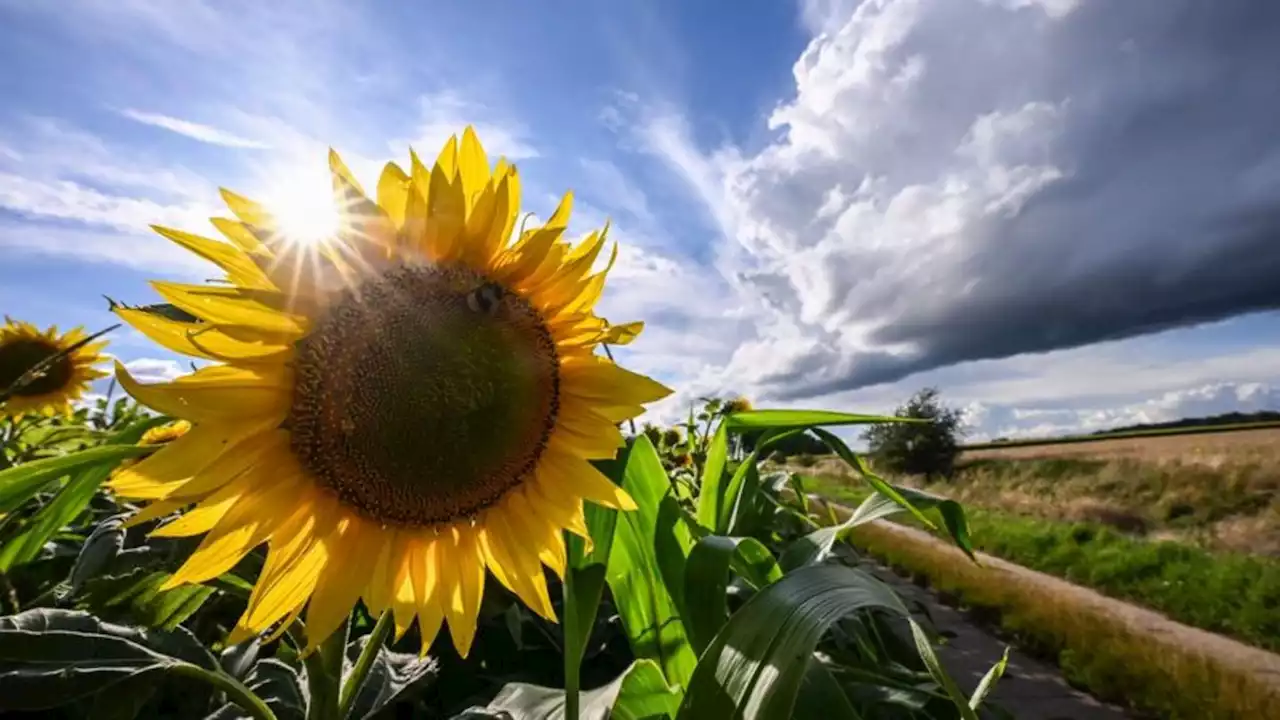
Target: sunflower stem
[(572, 656), (359, 673), (324, 674), (235, 690)]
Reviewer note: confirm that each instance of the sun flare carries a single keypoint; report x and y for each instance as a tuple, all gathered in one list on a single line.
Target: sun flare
[(299, 198)]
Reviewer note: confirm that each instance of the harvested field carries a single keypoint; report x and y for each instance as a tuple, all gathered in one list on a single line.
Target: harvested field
[(1209, 448)]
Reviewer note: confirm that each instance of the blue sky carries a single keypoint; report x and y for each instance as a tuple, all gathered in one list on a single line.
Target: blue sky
[(828, 203)]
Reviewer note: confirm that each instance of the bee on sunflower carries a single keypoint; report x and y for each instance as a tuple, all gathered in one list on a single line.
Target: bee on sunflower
[(393, 410), (23, 347)]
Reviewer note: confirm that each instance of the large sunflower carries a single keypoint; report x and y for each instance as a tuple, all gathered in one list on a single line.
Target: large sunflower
[(23, 347), (391, 411)]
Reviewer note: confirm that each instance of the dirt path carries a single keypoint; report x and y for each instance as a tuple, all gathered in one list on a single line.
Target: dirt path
[(1030, 689), (1038, 691)]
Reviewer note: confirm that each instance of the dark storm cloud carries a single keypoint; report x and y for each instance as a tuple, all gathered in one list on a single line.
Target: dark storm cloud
[(1166, 214)]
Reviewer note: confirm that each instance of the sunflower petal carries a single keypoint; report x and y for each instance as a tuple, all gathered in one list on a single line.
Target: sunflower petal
[(239, 268), (177, 462), (393, 192), (597, 378), (563, 473), (233, 306), (218, 393), (202, 340)]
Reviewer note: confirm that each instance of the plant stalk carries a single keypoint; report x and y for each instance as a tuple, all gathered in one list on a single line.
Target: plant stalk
[(359, 673), (324, 674), (572, 655), (235, 690)]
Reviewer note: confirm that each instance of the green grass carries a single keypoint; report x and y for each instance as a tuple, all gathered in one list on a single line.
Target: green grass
[(1095, 650), (1190, 430), (1230, 593)]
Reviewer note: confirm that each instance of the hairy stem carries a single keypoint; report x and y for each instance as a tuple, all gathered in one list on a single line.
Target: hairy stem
[(235, 690), (351, 688)]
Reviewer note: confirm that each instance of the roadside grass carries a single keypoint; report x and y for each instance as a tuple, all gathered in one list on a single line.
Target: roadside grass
[(1096, 651), (1234, 594)]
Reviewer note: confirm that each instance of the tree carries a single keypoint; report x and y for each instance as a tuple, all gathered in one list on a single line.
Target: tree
[(918, 448)]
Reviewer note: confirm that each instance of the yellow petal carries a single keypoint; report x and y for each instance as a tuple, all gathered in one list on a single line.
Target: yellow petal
[(465, 571), (263, 447), (204, 516), (597, 378), (175, 463), (562, 509), (393, 192), (233, 306), (539, 536), (248, 211), (381, 588), (297, 555), (560, 473), (240, 269), (261, 508), (446, 206), (424, 571), (340, 171), (351, 545), (513, 563), (505, 220), (623, 334), (241, 236), (473, 166), (202, 340), (216, 394), (589, 435)]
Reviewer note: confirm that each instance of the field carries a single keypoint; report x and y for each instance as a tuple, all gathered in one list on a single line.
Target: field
[(1124, 435), (1187, 525)]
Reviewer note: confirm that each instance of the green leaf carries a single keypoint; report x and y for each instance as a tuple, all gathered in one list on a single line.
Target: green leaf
[(20, 483), (989, 681), (70, 501), (52, 657), (639, 693), (279, 686), (875, 481), (393, 676), (649, 614), (879, 506), (781, 419), (817, 545), (711, 495), (939, 675), (755, 666), (706, 581)]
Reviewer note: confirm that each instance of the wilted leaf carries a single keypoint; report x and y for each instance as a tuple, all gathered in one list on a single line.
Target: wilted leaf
[(392, 677)]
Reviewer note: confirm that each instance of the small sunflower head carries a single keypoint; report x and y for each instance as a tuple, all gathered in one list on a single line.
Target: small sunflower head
[(653, 432), (671, 437), (683, 460), (63, 381), (737, 405), (165, 433)]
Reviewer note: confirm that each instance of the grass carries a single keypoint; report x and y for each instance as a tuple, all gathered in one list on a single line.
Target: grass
[(1157, 432), (1229, 593), (1094, 650)]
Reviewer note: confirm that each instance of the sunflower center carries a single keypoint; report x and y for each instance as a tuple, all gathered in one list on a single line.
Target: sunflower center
[(20, 355), (424, 394)]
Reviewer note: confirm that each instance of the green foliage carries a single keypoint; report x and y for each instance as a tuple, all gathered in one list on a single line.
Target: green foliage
[(929, 446), (676, 610)]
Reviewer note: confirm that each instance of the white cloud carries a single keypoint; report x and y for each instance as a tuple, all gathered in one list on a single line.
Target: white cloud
[(194, 130), (150, 370), (446, 113)]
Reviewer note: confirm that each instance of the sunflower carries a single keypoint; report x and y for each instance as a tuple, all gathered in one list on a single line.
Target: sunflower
[(166, 433), (737, 405), (23, 347), (394, 410), (671, 437)]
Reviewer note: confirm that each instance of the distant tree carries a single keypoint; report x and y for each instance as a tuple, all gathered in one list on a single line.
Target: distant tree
[(919, 448)]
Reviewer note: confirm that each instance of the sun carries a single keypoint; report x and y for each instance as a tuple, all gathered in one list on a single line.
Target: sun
[(299, 197)]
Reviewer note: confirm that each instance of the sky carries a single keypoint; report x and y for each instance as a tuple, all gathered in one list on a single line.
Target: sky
[(1065, 214)]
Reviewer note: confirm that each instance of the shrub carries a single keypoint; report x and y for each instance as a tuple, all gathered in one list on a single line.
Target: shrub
[(926, 448)]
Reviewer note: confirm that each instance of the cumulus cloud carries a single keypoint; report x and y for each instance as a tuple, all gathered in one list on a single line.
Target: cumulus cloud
[(149, 370), (958, 180)]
